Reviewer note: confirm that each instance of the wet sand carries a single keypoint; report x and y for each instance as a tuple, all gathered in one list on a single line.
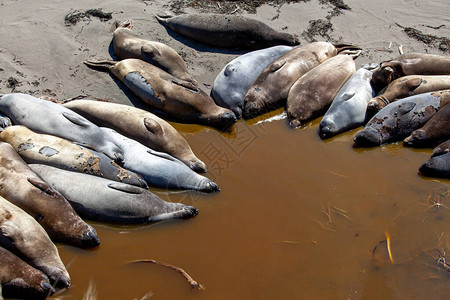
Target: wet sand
[(297, 217)]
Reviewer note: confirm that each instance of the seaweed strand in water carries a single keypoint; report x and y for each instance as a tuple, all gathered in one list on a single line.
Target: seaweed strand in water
[(72, 18)]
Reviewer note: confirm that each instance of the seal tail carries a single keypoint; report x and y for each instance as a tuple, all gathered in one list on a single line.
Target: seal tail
[(103, 65), (348, 49)]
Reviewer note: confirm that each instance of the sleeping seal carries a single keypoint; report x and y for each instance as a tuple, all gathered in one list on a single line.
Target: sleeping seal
[(227, 31), (21, 234), (127, 44), (171, 96), (348, 109), (437, 166), (442, 148), (100, 199), (237, 76), (139, 125), (22, 187)]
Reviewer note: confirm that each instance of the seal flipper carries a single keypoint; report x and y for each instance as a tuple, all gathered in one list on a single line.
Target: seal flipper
[(150, 51), (276, 66), (77, 120), (186, 84), (413, 84), (406, 107), (126, 188), (42, 185), (161, 155), (348, 95), (104, 65), (153, 126)]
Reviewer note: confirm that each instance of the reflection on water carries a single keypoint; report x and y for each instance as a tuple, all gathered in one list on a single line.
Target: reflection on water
[(297, 218)]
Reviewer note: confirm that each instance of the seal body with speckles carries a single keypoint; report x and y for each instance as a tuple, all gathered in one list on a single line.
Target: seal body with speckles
[(127, 44), (408, 86), (22, 187), (400, 118), (237, 76), (311, 95), (157, 168), (410, 64), (348, 109), (434, 132), (173, 97), (437, 166), (141, 126), (227, 31), (47, 117), (20, 233), (101, 199)]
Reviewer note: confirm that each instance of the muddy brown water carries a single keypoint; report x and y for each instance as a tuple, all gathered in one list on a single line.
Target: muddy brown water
[(297, 218)]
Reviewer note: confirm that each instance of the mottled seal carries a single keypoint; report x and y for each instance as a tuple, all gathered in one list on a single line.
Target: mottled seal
[(139, 125), (434, 132), (20, 233), (47, 117), (410, 64), (127, 44), (408, 86), (348, 109), (157, 168), (227, 31), (22, 187), (311, 95), (237, 76), (101, 199), (35, 148), (20, 280), (167, 94), (400, 118), (437, 166), (272, 86), (442, 148)]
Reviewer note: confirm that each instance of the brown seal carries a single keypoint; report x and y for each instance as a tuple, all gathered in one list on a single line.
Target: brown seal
[(410, 64), (139, 125), (127, 44), (434, 132), (442, 148), (173, 97), (312, 94), (272, 86), (408, 86), (22, 187)]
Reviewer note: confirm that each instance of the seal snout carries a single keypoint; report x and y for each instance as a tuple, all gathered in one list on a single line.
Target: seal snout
[(414, 140), (210, 187), (90, 238), (368, 138), (190, 212), (251, 109), (325, 130)]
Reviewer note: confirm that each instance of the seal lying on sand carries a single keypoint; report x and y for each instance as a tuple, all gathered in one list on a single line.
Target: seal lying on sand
[(20, 233), (35, 148), (227, 31), (437, 166), (400, 118), (139, 125), (22, 187), (237, 76), (348, 109), (100, 199), (410, 64), (272, 86), (20, 280), (127, 44), (312, 94), (167, 94), (47, 117)]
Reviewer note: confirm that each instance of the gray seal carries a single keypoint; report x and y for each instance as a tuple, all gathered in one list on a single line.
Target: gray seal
[(437, 166), (47, 117), (157, 168), (234, 80), (100, 199), (400, 118), (227, 31), (348, 109)]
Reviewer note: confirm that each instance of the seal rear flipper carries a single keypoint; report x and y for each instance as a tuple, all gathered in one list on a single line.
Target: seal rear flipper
[(103, 65), (42, 185), (153, 126), (76, 119), (348, 49), (126, 188), (162, 18)]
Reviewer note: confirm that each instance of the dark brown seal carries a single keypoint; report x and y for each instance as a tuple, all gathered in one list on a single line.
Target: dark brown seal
[(442, 148)]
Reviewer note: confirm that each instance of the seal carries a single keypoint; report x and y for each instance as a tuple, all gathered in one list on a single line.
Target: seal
[(227, 31), (311, 95), (442, 148), (408, 86), (270, 90), (237, 76), (348, 109), (157, 168), (100, 199), (20, 280), (47, 117), (58, 152), (437, 166), (410, 64), (127, 44), (141, 126), (4, 122), (21, 234), (167, 94), (434, 132), (22, 187), (400, 118)]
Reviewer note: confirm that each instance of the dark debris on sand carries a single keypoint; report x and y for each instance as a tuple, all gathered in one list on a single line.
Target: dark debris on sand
[(442, 43), (321, 27), (72, 18)]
